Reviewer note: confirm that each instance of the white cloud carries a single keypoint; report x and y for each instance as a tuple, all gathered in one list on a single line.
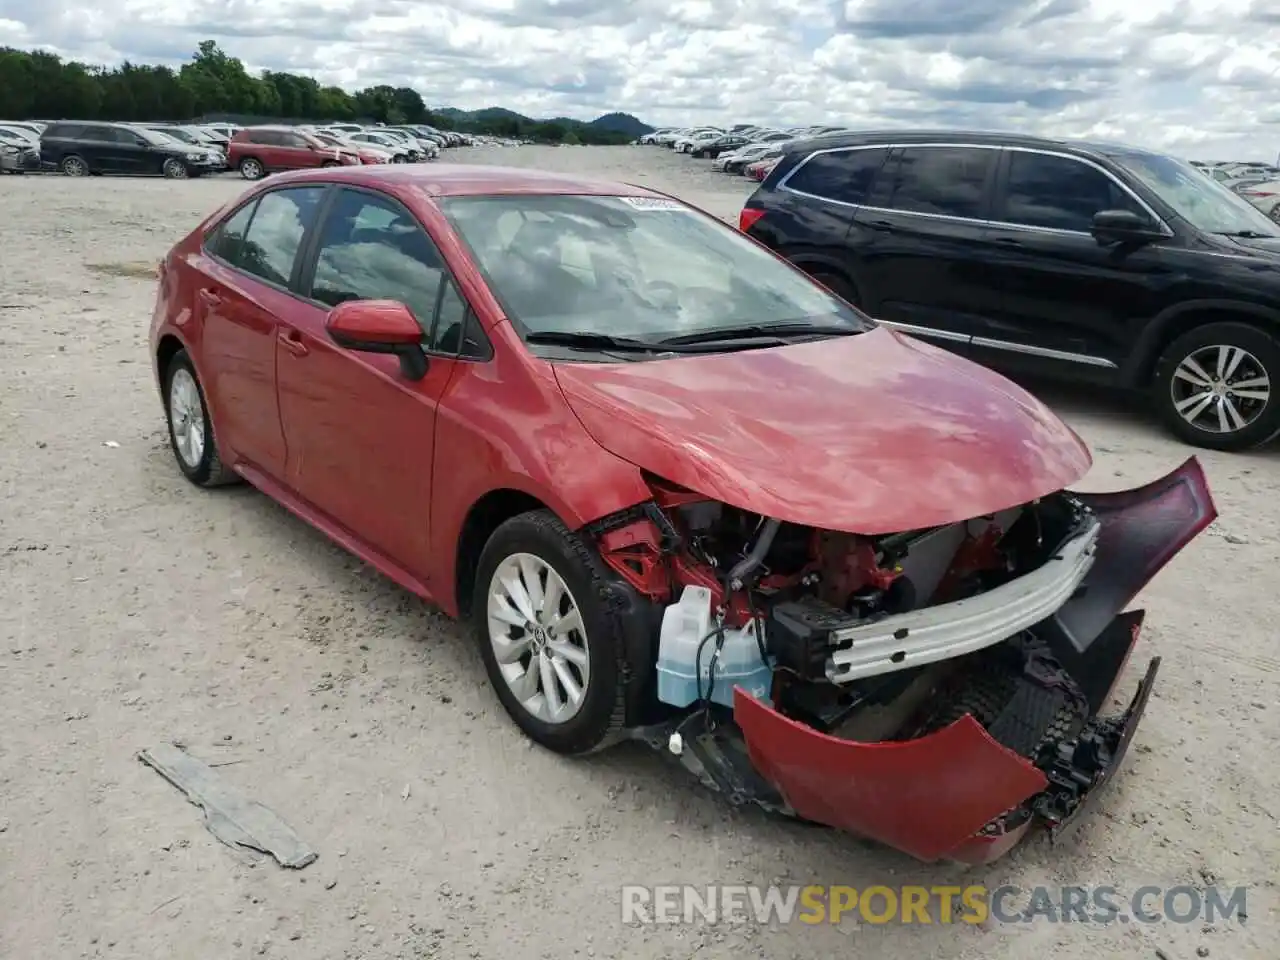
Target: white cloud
[(1194, 76)]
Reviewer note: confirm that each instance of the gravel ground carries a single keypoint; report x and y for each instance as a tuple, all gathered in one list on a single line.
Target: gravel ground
[(137, 609)]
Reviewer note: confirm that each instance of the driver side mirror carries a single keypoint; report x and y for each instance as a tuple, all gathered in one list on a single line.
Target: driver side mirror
[(1122, 226), (379, 326)]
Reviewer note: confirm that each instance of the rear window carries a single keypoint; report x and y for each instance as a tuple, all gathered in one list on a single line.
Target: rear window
[(944, 181), (845, 176), (69, 131)]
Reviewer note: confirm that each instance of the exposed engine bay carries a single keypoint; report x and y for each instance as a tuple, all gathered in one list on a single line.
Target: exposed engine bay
[(887, 640)]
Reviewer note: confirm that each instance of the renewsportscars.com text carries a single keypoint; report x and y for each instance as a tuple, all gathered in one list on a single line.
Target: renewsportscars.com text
[(815, 904)]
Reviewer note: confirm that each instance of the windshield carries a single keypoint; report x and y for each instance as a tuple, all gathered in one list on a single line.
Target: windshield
[(174, 135), (327, 140), (643, 268), (1204, 203)]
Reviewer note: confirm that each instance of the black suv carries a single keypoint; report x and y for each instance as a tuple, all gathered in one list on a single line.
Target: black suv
[(1096, 261), (80, 148)]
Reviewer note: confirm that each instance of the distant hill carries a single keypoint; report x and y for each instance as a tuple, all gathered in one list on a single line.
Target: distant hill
[(612, 127), (622, 123)]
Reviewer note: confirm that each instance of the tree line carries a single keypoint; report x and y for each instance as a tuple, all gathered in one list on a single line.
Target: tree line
[(35, 85)]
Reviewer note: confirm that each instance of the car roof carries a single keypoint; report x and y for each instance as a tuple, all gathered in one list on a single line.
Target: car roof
[(464, 180), (987, 137)]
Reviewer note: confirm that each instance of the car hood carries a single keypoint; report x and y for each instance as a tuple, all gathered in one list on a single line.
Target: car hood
[(873, 433)]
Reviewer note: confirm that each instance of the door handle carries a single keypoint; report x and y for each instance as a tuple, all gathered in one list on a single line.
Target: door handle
[(293, 342), (210, 298)]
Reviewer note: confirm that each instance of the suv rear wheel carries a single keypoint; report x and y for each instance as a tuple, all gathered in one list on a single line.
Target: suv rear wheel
[(251, 169), (1213, 386), (74, 166)]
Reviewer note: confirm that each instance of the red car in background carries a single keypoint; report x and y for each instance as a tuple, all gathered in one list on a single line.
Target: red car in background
[(683, 493), (258, 151)]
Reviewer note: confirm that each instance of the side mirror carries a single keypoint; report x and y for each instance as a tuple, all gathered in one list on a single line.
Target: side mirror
[(1122, 226), (379, 326)]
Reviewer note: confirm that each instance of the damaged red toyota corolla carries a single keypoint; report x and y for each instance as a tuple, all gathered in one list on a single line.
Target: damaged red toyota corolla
[(685, 494)]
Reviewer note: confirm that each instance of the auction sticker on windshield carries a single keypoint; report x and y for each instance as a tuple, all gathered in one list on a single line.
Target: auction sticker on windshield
[(653, 203)]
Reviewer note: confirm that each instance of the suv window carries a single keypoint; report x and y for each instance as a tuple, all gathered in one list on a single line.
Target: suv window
[(264, 137), (371, 248), (225, 240), (276, 231), (1059, 192), (946, 181), (65, 131), (842, 175)]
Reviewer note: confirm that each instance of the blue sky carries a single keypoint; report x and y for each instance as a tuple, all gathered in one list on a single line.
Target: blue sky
[(1199, 77)]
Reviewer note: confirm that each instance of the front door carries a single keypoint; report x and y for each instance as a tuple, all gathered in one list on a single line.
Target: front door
[(244, 285), (359, 433), (1064, 297), (921, 243)]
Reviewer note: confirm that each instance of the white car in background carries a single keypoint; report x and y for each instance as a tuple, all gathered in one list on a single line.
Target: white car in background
[(691, 142)]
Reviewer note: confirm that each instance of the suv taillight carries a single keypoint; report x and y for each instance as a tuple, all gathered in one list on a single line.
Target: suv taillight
[(749, 218)]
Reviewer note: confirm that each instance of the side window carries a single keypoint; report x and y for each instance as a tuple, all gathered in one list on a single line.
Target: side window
[(275, 235), (372, 249), (96, 134), (224, 242), (947, 181), (1059, 192), (845, 175)]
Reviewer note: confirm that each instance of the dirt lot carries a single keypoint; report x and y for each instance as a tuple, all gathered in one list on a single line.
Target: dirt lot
[(137, 609)]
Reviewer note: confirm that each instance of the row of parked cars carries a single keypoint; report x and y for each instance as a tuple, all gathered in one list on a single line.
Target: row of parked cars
[(180, 151), (1259, 183), (745, 149)]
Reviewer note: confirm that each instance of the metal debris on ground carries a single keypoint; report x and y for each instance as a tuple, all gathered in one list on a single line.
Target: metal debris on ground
[(231, 817)]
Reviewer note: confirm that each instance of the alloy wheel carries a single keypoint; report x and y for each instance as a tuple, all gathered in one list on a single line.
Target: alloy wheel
[(175, 170), (251, 169), (1220, 388), (74, 167), (538, 637), (186, 416)]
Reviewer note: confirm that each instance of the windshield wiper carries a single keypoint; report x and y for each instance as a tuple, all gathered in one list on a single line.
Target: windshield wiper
[(596, 341), (1248, 235), (775, 332)]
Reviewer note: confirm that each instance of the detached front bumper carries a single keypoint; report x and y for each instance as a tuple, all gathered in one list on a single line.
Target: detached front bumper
[(969, 789)]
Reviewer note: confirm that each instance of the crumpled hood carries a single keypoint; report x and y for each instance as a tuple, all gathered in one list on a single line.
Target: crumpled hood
[(874, 433)]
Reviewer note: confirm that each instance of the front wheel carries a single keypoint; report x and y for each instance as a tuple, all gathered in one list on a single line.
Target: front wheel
[(550, 646), (1213, 387)]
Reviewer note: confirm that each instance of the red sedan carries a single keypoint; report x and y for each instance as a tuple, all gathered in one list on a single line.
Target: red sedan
[(683, 492)]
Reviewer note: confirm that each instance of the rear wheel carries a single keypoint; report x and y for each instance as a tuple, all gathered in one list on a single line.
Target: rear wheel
[(1213, 386), (330, 163), (74, 166), (549, 645), (252, 169), (838, 285), (190, 428)]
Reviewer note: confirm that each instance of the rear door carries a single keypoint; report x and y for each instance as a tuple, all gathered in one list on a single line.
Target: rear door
[(922, 245), (1065, 298), (809, 213), (246, 283)]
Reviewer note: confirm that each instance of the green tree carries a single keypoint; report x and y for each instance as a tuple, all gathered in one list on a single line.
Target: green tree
[(38, 85)]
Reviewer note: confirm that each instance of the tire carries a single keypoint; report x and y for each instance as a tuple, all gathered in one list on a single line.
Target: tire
[(74, 166), (538, 537), (205, 467), (252, 169), (838, 285), (1256, 417), (174, 169), (331, 163)]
